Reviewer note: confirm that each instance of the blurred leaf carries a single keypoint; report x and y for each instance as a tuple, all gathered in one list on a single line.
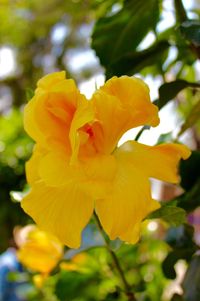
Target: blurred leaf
[(170, 261), (169, 90), (180, 237), (112, 296), (177, 297), (15, 147), (191, 31), (71, 285), (115, 35), (191, 119), (165, 138), (190, 170), (181, 240), (17, 276), (172, 258), (133, 62), (29, 94), (191, 282), (175, 216), (190, 200), (101, 7)]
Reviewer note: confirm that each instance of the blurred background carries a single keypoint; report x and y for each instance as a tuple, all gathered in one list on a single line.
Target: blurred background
[(157, 40)]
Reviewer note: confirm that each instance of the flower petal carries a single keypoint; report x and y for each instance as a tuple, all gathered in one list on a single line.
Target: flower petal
[(63, 211), (32, 165), (55, 170), (49, 114), (41, 251), (83, 115), (50, 80), (123, 103), (93, 175), (122, 211), (160, 161)]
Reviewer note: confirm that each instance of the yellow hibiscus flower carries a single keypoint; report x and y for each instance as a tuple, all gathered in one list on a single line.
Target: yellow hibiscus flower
[(77, 167), (40, 251)]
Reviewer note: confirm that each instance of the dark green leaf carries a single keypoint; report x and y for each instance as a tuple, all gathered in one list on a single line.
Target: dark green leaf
[(112, 296), (72, 285), (190, 170), (173, 215), (191, 119), (169, 90), (172, 258), (132, 62), (169, 263), (190, 200), (181, 237), (177, 297), (191, 282), (191, 31), (181, 240), (121, 33)]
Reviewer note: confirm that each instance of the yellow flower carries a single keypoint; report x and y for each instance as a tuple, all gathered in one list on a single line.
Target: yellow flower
[(77, 167), (40, 251)]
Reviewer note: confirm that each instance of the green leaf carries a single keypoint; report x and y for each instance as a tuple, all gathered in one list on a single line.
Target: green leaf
[(168, 265), (72, 285), (172, 258), (189, 170), (167, 137), (169, 90), (191, 282), (191, 119), (115, 35), (181, 237), (191, 31), (190, 200), (29, 94), (133, 62), (181, 240), (173, 215)]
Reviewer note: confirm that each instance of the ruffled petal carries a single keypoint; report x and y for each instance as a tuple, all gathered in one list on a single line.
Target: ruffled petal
[(49, 114), (62, 211), (48, 81), (121, 104), (160, 161), (83, 116), (129, 202)]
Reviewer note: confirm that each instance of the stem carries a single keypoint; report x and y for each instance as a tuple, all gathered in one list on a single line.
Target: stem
[(181, 14), (145, 127), (118, 267)]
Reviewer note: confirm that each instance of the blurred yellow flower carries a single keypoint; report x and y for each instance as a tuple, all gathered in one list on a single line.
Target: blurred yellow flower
[(77, 167), (40, 251)]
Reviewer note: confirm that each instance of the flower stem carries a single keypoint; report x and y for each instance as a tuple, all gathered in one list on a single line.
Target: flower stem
[(145, 127), (117, 264)]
